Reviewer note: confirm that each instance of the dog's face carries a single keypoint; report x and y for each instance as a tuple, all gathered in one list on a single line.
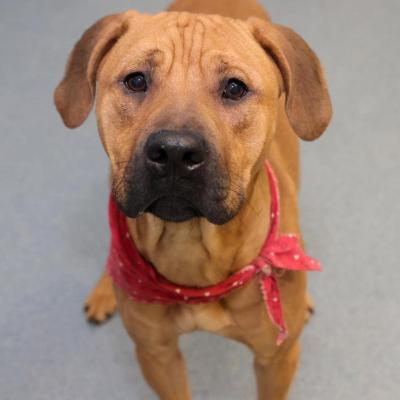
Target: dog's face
[(184, 114), (186, 107)]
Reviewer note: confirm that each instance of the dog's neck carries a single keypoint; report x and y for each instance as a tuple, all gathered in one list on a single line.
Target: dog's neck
[(198, 253)]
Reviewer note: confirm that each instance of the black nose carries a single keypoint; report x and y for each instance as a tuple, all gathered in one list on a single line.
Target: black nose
[(175, 153)]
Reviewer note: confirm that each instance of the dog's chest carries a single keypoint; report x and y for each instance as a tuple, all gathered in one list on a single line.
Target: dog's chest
[(243, 310), (209, 317)]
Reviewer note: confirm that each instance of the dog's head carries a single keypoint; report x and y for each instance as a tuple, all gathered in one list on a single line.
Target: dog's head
[(187, 104)]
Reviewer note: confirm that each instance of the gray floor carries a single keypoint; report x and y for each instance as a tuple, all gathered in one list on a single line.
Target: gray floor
[(54, 231)]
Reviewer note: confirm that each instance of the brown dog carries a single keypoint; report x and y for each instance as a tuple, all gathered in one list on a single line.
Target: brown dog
[(240, 89)]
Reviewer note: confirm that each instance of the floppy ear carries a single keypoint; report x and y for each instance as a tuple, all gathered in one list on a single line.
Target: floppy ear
[(308, 104), (74, 96)]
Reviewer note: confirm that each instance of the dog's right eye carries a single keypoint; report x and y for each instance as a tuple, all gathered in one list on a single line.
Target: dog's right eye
[(136, 82), (235, 90)]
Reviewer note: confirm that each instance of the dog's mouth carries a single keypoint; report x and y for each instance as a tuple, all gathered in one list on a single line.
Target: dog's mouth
[(203, 193), (174, 209)]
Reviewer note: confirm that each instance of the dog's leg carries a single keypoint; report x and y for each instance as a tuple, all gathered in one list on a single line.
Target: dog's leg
[(274, 377), (155, 334), (165, 371), (101, 303)]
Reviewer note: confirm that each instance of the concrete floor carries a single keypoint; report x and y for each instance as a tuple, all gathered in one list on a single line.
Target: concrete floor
[(54, 229)]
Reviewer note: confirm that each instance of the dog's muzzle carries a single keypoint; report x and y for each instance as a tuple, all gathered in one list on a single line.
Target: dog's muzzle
[(178, 159), (176, 176)]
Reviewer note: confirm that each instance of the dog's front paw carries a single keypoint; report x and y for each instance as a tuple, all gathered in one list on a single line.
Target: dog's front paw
[(101, 304)]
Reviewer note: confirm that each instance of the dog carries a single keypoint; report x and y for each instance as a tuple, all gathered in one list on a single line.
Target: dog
[(190, 103)]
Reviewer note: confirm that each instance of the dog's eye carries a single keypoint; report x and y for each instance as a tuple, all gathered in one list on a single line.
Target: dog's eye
[(235, 89), (136, 82)]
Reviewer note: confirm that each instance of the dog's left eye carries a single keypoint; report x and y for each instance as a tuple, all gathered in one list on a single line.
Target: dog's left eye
[(136, 82), (235, 89)]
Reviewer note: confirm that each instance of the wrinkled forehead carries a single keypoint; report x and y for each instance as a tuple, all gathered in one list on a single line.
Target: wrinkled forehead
[(187, 41)]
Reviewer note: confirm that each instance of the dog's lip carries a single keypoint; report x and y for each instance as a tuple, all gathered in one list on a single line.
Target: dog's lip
[(171, 198), (174, 208)]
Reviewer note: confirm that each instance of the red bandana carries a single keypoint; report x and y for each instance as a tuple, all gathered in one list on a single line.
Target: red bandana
[(140, 280)]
